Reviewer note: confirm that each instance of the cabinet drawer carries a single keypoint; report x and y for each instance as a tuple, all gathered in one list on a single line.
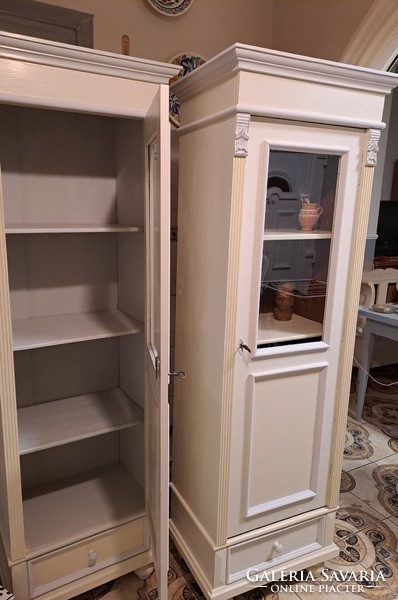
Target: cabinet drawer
[(83, 558), (268, 551)]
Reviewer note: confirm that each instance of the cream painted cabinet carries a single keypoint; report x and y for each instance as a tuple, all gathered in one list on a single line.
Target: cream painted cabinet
[(84, 297), (277, 154)]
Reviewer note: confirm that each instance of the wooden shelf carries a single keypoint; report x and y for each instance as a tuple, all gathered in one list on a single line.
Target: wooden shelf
[(73, 508), (295, 234), (40, 332), (272, 331), (69, 228), (51, 424)]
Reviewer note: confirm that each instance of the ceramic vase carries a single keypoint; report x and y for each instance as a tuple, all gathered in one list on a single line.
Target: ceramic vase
[(309, 215)]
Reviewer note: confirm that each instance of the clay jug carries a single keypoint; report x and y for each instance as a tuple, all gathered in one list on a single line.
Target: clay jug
[(309, 215)]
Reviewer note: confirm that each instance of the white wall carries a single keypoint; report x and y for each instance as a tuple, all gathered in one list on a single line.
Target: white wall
[(207, 27), (320, 28)]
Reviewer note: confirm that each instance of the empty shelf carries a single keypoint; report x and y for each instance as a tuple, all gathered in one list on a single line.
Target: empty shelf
[(40, 332), (63, 421), (70, 228), (73, 508)]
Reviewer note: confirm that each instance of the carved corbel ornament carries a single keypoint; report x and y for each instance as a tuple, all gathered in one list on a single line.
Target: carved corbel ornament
[(373, 147), (242, 134)]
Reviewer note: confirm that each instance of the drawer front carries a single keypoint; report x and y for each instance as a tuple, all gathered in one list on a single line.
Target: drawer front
[(83, 558), (266, 552)]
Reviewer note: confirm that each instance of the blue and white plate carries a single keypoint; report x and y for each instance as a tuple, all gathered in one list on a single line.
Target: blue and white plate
[(171, 8), (189, 61)]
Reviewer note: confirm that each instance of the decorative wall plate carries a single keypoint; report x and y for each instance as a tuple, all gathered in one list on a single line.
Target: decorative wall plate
[(189, 61), (171, 8)]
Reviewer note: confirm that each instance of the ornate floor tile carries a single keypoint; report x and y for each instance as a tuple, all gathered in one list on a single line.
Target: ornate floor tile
[(380, 442), (381, 409), (357, 448), (366, 434), (372, 548), (349, 502), (386, 478), (394, 520), (373, 491), (347, 482)]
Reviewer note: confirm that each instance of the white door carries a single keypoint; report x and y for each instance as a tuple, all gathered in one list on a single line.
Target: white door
[(286, 371), (157, 143)]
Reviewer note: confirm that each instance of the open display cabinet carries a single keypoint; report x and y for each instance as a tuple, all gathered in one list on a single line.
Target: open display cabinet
[(276, 165), (84, 153)]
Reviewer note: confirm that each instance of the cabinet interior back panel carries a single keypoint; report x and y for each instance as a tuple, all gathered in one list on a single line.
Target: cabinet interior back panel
[(53, 464), (46, 374), (87, 281), (74, 177)]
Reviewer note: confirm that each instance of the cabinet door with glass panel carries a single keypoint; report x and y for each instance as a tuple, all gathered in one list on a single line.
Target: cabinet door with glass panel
[(299, 208), (299, 194)]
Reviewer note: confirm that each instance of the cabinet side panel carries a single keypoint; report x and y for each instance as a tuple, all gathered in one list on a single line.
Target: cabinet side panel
[(11, 522), (202, 279)]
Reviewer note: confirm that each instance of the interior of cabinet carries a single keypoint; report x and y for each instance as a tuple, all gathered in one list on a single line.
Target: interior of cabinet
[(295, 254), (73, 198)]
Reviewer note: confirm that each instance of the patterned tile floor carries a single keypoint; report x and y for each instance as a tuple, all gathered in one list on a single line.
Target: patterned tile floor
[(367, 525)]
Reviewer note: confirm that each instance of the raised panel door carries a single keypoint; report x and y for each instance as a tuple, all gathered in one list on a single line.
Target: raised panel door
[(291, 321)]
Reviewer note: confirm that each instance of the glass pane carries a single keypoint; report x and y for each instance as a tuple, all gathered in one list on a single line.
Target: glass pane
[(153, 277), (301, 190)]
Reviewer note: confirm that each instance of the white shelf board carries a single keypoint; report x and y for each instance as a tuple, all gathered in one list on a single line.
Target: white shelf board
[(50, 424), (40, 332), (295, 234), (272, 331), (77, 507), (70, 228)]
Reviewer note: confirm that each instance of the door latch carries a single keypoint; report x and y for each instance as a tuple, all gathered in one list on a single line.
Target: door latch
[(243, 346), (179, 374)]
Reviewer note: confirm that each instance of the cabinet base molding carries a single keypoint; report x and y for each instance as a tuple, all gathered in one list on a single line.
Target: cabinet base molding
[(225, 591), (293, 545)]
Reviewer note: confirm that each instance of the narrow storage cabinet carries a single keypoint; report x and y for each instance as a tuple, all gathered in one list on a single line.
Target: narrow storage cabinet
[(84, 154), (276, 164)]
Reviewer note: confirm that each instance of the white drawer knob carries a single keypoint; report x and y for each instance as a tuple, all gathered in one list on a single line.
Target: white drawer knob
[(92, 558), (278, 547)]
